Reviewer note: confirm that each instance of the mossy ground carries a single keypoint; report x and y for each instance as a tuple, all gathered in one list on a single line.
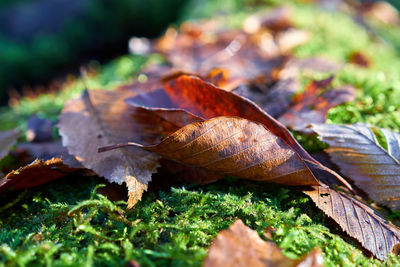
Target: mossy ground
[(65, 223)]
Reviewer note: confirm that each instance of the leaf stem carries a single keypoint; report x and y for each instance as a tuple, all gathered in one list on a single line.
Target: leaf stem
[(112, 147)]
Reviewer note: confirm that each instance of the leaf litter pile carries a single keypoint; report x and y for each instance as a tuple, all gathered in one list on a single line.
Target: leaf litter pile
[(221, 107)]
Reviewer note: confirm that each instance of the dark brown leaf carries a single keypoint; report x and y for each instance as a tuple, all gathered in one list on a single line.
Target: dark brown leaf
[(360, 59), (241, 246), (37, 173), (358, 220), (313, 104)]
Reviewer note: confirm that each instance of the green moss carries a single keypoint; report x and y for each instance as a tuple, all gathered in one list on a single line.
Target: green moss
[(65, 223)]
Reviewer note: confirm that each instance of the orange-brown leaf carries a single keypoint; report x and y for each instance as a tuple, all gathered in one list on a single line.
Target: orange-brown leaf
[(241, 246), (238, 147), (360, 59), (201, 47), (206, 101)]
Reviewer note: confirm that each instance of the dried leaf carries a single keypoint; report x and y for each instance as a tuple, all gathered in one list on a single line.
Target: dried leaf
[(207, 101), (7, 140), (37, 173), (238, 147), (204, 100), (102, 118), (358, 220), (199, 49), (313, 104), (355, 149), (277, 99), (241, 246)]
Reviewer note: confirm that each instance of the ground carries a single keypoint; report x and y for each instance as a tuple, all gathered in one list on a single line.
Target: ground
[(66, 223)]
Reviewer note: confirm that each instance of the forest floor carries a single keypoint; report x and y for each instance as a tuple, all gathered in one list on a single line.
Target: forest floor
[(66, 223)]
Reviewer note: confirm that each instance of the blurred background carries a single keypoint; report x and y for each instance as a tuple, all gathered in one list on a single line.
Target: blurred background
[(42, 40)]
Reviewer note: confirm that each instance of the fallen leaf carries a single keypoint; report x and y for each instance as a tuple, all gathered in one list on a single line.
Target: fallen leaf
[(7, 140), (358, 220), (313, 104), (237, 147), (202, 99), (242, 246), (277, 99), (356, 150), (199, 49), (102, 118), (37, 173)]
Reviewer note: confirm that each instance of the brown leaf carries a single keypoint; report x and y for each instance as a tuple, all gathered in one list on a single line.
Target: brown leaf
[(102, 118), (238, 147), (277, 99), (241, 246), (7, 140), (356, 150), (313, 104), (274, 101), (206, 101), (199, 49), (358, 220), (37, 173)]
